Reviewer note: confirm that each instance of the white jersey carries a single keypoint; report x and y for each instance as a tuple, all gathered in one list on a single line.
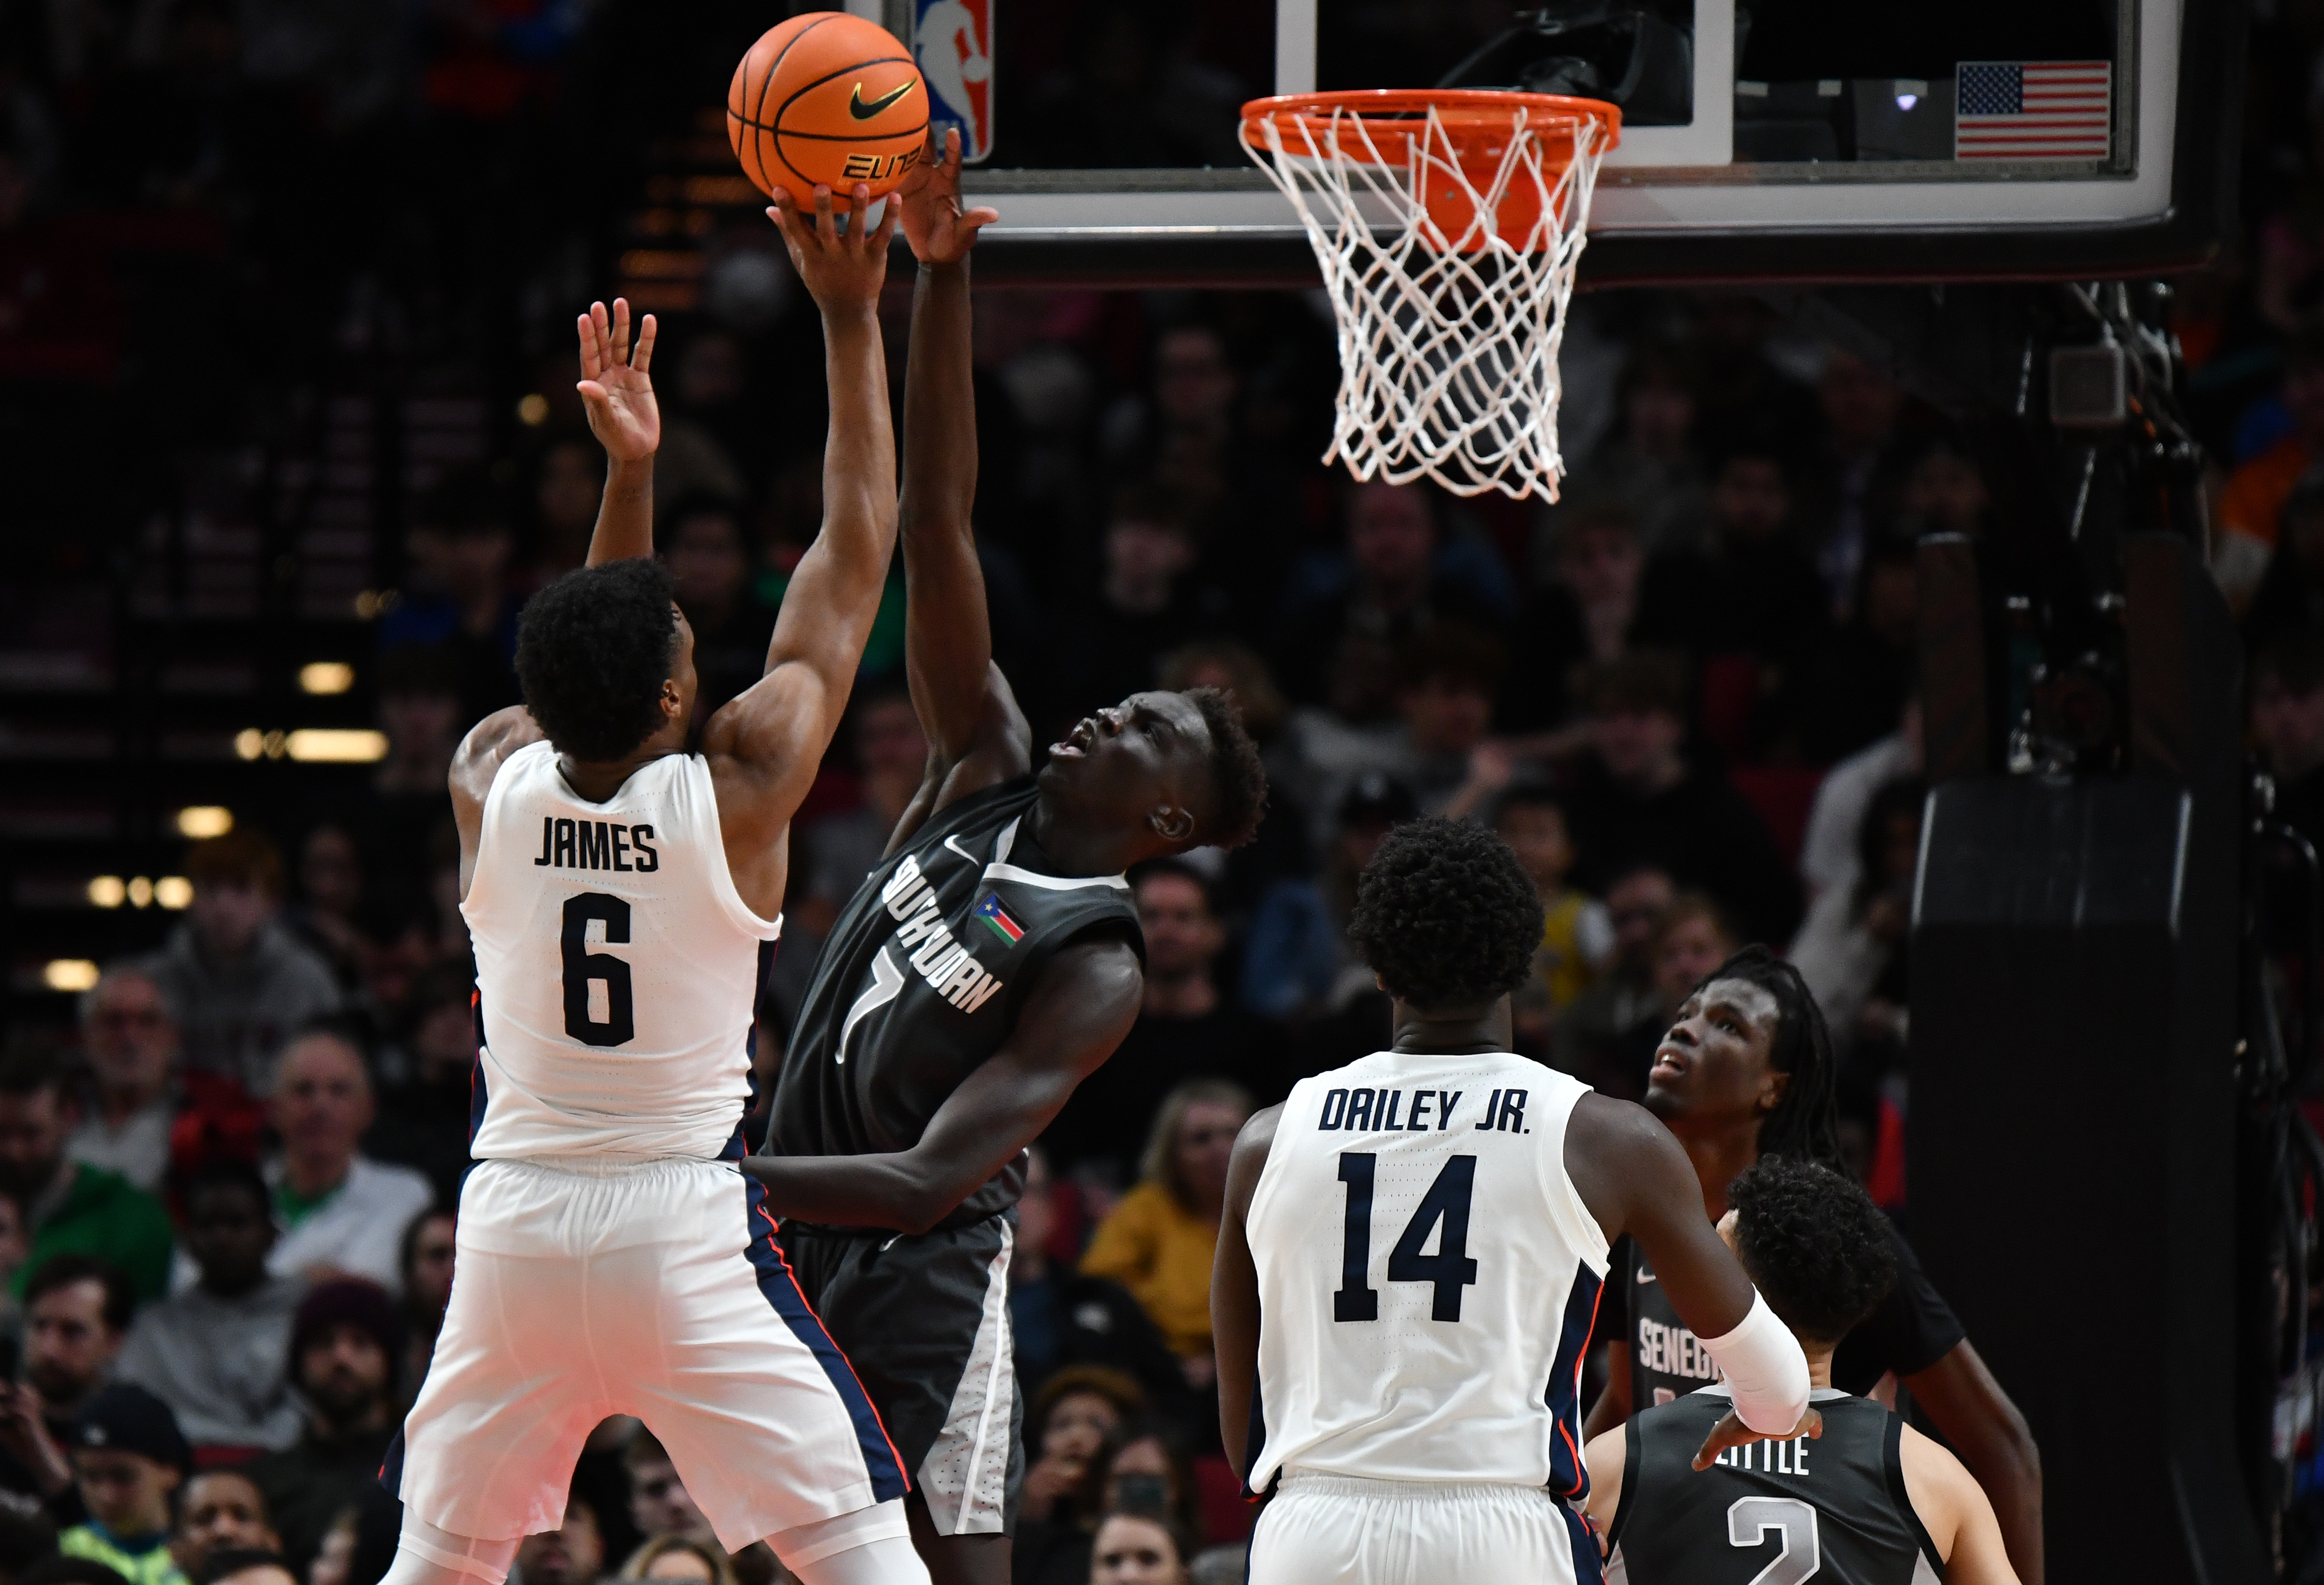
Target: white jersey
[(616, 966), (1427, 1276)]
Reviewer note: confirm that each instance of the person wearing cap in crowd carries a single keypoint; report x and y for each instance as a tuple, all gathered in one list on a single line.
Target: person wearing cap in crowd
[(129, 1458), (344, 1342), (215, 1353)]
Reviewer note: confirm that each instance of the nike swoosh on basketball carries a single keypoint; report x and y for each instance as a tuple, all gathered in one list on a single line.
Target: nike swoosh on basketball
[(864, 112)]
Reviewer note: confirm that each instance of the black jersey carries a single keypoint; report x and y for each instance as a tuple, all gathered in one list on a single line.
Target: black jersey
[(921, 979), (1913, 1329), (1831, 1508)]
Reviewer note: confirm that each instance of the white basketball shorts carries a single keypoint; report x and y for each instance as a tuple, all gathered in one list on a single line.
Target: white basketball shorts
[(1336, 1530), (588, 1288)]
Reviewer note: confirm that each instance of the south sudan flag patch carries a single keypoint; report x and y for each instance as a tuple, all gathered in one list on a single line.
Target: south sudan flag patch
[(997, 918)]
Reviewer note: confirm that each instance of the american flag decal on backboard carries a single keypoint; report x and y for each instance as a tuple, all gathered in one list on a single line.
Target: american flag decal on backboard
[(2033, 110)]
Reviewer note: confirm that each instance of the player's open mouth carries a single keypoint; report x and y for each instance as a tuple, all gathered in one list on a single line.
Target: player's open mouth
[(1076, 743), (1670, 1063)]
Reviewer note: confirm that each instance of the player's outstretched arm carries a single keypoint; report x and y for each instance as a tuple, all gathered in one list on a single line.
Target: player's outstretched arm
[(1234, 1290), (1635, 1179), (1074, 1014), (475, 763), (977, 736), (765, 746), (1954, 1509), (627, 421), (1990, 1433)]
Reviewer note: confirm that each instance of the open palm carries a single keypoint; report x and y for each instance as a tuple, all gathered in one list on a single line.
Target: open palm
[(623, 412), (933, 223)]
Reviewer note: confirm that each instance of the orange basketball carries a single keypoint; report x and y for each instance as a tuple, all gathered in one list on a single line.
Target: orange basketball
[(827, 97)]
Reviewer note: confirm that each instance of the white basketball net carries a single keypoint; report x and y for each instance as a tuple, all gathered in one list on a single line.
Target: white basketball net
[(1448, 345)]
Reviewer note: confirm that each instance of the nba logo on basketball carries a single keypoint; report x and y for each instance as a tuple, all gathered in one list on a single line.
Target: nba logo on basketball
[(952, 41)]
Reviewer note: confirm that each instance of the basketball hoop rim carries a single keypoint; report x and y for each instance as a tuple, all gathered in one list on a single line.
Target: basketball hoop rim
[(1465, 108)]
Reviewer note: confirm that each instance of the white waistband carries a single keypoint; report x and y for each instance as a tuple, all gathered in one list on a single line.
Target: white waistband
[(598, 1165), (1314, 1483)]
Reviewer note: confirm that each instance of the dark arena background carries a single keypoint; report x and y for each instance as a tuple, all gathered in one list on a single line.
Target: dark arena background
[(1957, 631)]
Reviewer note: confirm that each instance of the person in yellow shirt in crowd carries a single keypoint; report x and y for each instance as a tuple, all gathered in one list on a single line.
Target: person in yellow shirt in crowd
[(1160, 1240), (1577, 934)]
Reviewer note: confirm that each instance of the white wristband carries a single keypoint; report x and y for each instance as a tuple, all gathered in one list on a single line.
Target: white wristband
[(1765, 1370)]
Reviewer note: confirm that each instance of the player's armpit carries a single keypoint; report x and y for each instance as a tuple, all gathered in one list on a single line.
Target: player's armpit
[(1954, 1509), (1234, 1289), (1073, 1016)]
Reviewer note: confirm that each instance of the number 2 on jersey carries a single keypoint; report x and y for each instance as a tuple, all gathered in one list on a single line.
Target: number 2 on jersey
[(1450, 1268), (1748, 1520), (620, 1024)]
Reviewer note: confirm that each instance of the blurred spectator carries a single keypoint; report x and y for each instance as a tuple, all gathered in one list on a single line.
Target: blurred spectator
[(1354, 734), (342, 1213), (237, 979), (131, 1044), (331, 889), (255, 1567), (566, 489), (419, 711), (423, 1123), (217, 1352), (1945, 489), (2253, 505), (1142, 609), (891, 755), (1638, 799), (1577, 933), (1649, 475), (1865, 670), (221, 1511), (571, 1554), (1451, 675), (334, 1560), (76, 1309), (72, 1207), (1606, 1038), (1391, 588), (1060, 1318), (345, 1341), (1186, 1028), (1587, 612), (1748, 607), (1070, 1432), (1137, 1549), (129, 1458), (660, 1503), (703, 541), (1852, 949), (1297, 959), (458, 592), (2287, 720), (1148, 1474), (1827, 856), (430, 1250), (1160, 1240), (1857, 468), (2290, 595), (678, 1557)]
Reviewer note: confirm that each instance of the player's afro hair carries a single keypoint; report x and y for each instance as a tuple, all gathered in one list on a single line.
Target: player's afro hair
[(593, 649), (1446, 915), (1814, 1243), (1238, 778)]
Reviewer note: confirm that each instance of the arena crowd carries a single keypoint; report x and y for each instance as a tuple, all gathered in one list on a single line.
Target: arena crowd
[(1685, 695)]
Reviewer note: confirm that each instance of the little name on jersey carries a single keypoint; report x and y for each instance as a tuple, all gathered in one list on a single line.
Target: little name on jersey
[(951, 970), (594, 844), (1418, 1111), (1769, 1457)]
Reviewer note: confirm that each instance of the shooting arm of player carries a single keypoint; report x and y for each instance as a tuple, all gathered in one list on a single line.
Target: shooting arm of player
[(1075, 1013), (475, 763), (1635, 1179), (1234, 1290), (1613, 1405), (977, 736), (1992, 1439), (627, 421), (771, 738), (1954, 1509)]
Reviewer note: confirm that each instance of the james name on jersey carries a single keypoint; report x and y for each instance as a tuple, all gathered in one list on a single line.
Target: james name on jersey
[(950, 968), (596, 844)]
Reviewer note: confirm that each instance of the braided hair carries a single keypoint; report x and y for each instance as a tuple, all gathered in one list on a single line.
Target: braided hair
[(1805, 1123)]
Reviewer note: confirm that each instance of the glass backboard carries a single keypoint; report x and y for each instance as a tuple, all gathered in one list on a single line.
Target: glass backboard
[(1772, 139)]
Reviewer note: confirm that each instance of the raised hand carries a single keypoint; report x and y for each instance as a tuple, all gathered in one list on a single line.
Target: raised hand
[(623, 412), (939, 231), (840, 271)]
